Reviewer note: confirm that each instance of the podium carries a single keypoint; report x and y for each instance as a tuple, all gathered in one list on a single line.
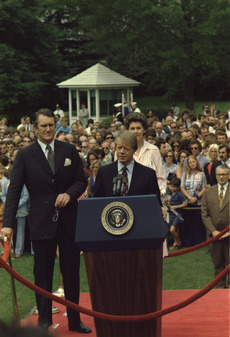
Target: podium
[(122, 242)]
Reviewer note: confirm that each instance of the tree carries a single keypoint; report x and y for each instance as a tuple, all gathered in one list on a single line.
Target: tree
[(30, 64), (177, 45)]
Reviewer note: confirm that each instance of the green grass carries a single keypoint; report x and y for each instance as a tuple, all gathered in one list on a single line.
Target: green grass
[(156, 103), (190, 271)]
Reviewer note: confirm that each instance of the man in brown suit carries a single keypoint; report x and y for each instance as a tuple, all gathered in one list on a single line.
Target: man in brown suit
[(215, 216)]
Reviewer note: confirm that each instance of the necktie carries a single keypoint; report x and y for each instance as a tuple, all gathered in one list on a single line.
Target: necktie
[(50, 157), (221, 195), (124, 173)]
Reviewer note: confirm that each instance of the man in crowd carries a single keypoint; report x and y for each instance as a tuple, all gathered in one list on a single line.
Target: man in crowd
[(215, 216), (224, 154), (53, 174)]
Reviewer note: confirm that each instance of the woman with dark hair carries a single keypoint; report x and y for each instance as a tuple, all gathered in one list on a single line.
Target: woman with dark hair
[(175, 144), (147, 154), (109, 137), (193, 184), (180, 160), (91, 156), (168, 165)]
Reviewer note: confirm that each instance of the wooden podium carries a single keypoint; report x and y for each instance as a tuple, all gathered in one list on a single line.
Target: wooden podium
[(124, 271)]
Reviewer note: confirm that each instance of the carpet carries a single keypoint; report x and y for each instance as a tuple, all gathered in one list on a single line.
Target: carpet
[(207, 317)]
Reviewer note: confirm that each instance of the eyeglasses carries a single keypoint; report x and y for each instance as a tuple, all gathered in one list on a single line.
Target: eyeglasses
[(56, 215), (109, 137), (222, 174), (83, 147)]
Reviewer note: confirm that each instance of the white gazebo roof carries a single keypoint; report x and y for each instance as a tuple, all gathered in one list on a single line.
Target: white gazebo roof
[(98, 76)]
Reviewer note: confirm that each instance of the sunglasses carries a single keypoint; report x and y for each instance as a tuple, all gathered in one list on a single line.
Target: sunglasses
[(110, 137)]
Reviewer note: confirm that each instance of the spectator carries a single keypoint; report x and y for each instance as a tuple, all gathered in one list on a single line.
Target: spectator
[(176, 201), (64, 126), (193, 184), (83, 115), (213, 156)]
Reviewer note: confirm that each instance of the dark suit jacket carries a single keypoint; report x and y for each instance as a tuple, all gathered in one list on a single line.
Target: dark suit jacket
[(212, 177), (32, 169), (214, 217), (144, 181)]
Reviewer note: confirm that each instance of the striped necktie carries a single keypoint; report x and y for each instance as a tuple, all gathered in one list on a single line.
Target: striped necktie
[(124, 173), (221, 195)]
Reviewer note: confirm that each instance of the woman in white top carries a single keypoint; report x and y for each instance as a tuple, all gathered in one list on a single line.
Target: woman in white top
[(147, 154)]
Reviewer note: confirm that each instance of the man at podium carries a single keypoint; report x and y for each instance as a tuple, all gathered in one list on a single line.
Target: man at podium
[(125, 176)]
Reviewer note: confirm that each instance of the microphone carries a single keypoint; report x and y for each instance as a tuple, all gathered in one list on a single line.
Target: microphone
[(124, 181), (114, 185), (119, 180)]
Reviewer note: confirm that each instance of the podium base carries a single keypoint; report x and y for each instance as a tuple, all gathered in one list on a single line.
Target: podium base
[(127, 282)]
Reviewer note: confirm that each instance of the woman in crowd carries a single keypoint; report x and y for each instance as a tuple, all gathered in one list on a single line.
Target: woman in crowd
[(213, 155), (175, 144), (147, 154), (168, 165), (91, 156), (193, 184), (91, 180), (180, 159)]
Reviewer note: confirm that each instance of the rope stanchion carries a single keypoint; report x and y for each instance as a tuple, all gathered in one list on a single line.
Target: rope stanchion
[(200, 245), (114, 318)]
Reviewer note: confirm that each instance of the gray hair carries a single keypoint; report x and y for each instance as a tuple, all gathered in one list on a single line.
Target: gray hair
[(223, 167), (127, 137)]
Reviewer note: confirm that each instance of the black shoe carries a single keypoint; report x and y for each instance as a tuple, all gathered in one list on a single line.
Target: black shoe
[(81, 328)]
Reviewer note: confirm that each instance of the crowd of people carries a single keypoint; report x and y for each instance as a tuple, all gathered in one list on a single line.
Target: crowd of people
[(183, 148)]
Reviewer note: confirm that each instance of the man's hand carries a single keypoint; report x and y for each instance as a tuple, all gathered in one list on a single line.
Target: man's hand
[(62, 200), (8, 232)]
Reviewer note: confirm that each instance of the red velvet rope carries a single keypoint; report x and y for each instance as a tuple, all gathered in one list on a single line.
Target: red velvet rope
[(6, 254), (201, 245), (113, 318)]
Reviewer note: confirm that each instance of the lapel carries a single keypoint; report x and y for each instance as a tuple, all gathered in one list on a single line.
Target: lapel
[(39, 156), (226, 198), (59, 154), (135, 181)]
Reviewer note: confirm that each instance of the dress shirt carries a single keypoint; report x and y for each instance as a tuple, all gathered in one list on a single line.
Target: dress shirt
[(129, 170), (44, 149)]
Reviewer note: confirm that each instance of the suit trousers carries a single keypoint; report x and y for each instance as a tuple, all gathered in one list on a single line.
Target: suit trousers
[(69, 260), (221, 259)]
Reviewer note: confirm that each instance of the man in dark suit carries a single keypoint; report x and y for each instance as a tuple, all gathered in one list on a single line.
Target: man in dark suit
[(224, 153), (215, 216), (141, 179), (53, 174)]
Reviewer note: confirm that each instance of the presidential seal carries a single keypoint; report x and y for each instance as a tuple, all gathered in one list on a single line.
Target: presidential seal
[(117, 218)]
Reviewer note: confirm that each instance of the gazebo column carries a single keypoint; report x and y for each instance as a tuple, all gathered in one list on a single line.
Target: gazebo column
[(89, 103), (70, 103), (97, 104), (78, 103)]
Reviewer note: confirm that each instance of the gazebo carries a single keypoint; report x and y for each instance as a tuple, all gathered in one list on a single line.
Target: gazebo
[(99, 88)]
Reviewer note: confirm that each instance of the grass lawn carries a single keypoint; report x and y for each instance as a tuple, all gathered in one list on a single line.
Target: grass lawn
[(190, 271), (155, 103)]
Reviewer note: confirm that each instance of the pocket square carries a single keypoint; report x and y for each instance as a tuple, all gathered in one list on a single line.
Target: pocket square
[(67, 162)]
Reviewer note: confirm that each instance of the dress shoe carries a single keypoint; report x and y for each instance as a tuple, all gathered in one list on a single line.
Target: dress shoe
[(81, 328)]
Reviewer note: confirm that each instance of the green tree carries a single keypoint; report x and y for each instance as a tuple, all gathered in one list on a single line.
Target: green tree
[(176, 45), (30, 64)]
